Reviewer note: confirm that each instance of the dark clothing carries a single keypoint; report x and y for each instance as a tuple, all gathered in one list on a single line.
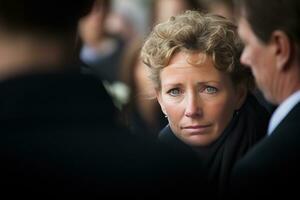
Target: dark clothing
[(271, 168), (262, 100), (248, 126), (59, 137), (138, 125)]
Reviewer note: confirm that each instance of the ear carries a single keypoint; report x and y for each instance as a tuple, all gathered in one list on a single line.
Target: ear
[(241, 94), (159, 99), (282, 49)]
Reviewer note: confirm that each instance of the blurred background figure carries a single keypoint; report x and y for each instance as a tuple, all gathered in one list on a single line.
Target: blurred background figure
[(100, 49), (141, 113), (224, 8), (164, 9), (128, 18)]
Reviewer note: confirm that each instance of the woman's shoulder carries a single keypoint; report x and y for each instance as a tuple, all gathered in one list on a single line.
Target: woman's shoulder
[(166, 135)]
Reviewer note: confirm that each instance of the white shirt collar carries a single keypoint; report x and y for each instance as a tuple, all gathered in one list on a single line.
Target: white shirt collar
[(282, 111)]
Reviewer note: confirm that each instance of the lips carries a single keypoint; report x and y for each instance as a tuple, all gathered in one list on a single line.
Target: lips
[(197, 129)]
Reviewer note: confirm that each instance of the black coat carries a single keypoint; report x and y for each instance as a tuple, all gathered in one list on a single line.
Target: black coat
[(60, 137), (272, 167)]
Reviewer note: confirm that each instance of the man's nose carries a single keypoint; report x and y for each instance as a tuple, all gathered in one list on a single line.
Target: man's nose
[(244, 58)]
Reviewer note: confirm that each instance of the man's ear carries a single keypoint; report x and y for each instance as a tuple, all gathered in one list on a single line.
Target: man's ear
[(159, 99), (241, 94), (282, 49)]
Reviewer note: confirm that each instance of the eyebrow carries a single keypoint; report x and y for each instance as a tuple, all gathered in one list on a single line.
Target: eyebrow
[(199, 83)]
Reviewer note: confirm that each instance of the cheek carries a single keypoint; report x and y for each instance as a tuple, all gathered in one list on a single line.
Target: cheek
[(175, 113), (221, 111), (260, 70), (251, 56)]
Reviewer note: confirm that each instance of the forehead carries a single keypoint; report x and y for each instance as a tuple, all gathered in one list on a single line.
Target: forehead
[(244, 28), (195, 59), (196, 66)]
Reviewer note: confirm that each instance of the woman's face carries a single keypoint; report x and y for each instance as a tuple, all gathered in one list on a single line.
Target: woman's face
[(198, 99)]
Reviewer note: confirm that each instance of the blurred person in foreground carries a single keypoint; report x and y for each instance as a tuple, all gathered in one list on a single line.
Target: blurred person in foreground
[(204, 91), (271, 168), (59, 136)]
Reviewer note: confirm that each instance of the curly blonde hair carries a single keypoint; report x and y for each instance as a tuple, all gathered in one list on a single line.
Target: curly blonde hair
[(196, 32)]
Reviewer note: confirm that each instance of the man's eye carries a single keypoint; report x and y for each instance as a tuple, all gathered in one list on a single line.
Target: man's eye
[(210, 90), (174, 92)]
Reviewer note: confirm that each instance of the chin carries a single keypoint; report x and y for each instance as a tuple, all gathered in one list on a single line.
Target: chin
[(197, 142)]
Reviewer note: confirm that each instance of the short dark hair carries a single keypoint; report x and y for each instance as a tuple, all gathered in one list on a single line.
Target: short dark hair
[(266, 16), (42, 15)]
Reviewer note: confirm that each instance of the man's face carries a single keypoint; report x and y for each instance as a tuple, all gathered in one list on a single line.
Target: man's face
[(260, 57)]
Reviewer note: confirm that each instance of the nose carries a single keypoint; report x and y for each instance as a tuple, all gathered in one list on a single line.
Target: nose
[(193, 106), (244, 58)]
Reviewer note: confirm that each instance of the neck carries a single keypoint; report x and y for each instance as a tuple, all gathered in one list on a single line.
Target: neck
[(288, 84), (23, 54)]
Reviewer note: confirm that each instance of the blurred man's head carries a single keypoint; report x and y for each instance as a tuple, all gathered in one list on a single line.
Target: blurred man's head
[(267, 16), (270, 30), (38, 35), (50, 16)]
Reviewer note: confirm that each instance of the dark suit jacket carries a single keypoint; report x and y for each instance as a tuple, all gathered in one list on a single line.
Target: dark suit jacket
[(59, 137), (272, 168)]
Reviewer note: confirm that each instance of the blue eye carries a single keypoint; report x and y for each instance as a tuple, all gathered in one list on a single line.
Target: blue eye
[(210, 90), (174, 92)]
